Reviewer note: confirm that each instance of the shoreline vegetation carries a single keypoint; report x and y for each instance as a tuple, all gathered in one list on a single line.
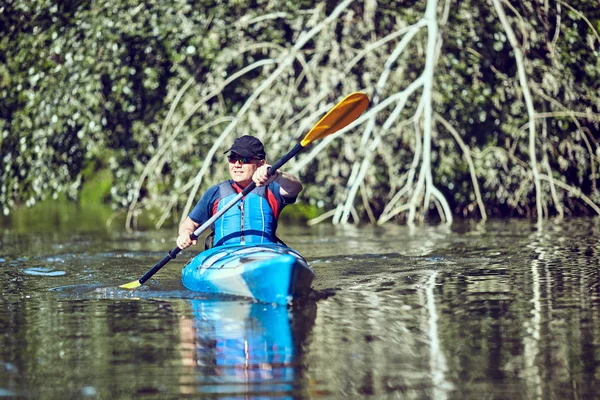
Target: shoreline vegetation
[(69, 215), (478, 109), (92, 212)]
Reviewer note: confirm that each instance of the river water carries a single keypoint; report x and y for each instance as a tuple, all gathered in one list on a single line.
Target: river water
[(503, 310)]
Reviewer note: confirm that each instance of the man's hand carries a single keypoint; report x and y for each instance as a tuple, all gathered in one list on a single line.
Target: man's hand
[(261, 176), (186, 228), (184, 241)]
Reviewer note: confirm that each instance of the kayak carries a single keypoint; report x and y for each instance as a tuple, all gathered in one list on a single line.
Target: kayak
[(269, 273)]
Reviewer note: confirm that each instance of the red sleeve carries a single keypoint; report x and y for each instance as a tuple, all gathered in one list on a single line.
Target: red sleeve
[(273, 203)]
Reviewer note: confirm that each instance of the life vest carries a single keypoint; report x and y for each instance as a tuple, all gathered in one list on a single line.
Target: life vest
[(251, 220)]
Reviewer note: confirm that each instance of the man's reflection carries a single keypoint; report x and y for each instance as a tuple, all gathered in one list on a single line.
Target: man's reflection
[(248, 348)]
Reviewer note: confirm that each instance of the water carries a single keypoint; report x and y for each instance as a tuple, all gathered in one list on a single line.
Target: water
[(504, 310)]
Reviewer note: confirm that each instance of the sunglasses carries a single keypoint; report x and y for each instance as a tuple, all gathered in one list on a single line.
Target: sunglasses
[(245, 160)]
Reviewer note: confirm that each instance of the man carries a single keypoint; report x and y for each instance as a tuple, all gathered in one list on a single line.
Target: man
[(254, 218)]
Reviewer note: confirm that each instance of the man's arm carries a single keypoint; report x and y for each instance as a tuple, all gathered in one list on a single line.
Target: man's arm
[(199, 215), (289, 185)]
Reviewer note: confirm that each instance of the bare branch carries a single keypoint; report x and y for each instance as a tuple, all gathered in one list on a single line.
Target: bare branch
[(467, 153), (321, 218), (365, 200), (387, 214), (546, 166), (246, 21), (359, 121), (381, 42), (582, 16), (528, 101), (180, 126), (573, 191), (285, 62), (369, 154)]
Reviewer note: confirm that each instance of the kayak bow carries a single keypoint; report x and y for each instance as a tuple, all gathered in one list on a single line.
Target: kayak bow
[(269, 273)]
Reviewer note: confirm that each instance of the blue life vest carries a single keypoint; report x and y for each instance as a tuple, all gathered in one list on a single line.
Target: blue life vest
[(250, 221)]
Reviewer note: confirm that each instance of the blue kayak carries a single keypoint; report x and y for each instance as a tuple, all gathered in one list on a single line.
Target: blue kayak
[(269, 273)]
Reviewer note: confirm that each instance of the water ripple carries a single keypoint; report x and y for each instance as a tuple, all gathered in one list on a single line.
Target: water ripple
[(43, 271)]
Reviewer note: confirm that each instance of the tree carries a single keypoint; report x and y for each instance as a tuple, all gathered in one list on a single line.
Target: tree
[(478, 109)]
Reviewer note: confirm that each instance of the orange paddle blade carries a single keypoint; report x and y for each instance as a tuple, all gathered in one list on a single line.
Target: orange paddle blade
[(338, 117)]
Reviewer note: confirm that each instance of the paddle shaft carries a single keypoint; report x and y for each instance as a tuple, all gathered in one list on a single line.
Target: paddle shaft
[(194, 235)]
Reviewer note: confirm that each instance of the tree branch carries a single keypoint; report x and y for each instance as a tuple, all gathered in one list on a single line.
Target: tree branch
[(528, 101), (467, 153)]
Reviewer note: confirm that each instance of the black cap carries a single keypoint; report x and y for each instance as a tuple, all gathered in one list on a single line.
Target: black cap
[(248, 146)]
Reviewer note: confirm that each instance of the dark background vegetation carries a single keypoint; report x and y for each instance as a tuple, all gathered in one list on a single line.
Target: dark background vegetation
[(94, 92)]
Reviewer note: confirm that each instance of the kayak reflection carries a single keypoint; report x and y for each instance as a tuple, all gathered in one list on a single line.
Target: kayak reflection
[(249, 348)]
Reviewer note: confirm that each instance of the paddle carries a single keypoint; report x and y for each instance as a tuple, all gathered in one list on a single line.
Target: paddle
[(338, 117)]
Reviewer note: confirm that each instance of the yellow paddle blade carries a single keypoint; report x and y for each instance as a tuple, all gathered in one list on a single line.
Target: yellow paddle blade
[(131, 285), (338, 117)]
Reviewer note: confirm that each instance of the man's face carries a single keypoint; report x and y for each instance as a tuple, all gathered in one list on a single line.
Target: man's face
[(241, 169)]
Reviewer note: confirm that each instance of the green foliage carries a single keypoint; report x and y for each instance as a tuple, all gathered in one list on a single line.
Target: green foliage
[(481, 95), (96, 187), (300, 212), (93, 92)]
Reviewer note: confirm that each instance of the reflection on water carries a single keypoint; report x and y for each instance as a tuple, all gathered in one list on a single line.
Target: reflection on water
[(505, 310), (241, 348)]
